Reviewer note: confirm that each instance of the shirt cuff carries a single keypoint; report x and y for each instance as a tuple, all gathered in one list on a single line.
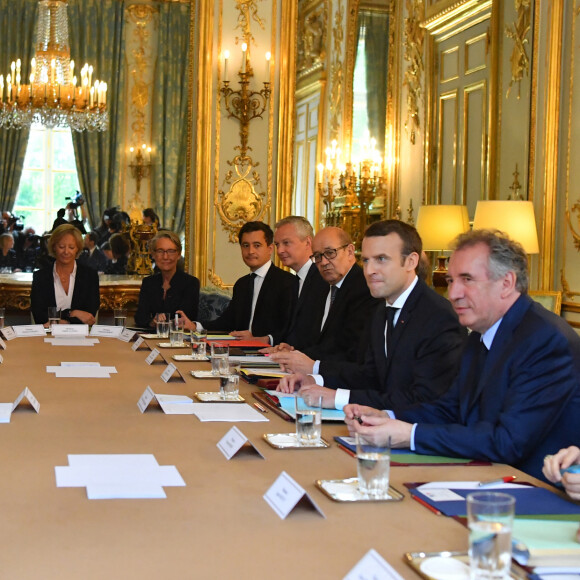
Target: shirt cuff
[(198, 325), (412, 442), (341, 398), (316, 367), (271, 339), (318, 379)]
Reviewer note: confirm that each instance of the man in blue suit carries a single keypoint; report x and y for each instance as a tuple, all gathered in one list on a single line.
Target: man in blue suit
[(517, 395)]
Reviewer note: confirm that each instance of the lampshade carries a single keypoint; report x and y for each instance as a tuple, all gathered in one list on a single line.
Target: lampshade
[(514, 218), (439, 225)]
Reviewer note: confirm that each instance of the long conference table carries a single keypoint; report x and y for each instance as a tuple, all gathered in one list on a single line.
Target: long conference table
[(218, 525)]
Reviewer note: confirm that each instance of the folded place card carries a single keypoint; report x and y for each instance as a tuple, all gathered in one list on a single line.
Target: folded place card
[(127, 334), (28, 330), (233, 442), (171, 374), (373, 567), (152, 356), (106, 330), (285, 494), (8, 333), (6, 409), (1, 359), (2, 344), (170, 404), (69, 329)]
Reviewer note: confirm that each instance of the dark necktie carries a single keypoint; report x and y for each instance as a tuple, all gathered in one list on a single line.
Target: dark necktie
[(296, 286), (476, 371), (250, 298), (333, 291), (390, 325)]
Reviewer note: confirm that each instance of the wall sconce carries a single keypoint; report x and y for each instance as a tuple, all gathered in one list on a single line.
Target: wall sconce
[(140, 164), (438, 226), (514, 218)]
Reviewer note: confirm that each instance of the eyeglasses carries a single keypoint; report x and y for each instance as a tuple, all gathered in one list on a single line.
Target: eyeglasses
[(328, 254), (170, 253)]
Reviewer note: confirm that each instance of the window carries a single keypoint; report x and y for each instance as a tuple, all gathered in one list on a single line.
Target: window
[(49, 177), (360, 117)]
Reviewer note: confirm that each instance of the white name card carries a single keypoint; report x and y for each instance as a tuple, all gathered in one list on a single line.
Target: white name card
[(137, 343), (233, 441), (28, 330), (2, 344), (106, 330), (6, 409), (8, 333), (168, 373), (147, 396), (285, 494), (152, 356), (373, 567), (126, 334), (1, 359), (69, 329)]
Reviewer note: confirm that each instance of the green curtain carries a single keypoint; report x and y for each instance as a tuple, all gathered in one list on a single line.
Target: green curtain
[(376, 53), (169, 116), (96, 32), (17, 40)]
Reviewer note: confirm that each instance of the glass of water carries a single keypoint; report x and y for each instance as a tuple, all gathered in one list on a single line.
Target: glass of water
[(308, 419), (120, 316), (162, 319), (373, 467), (219, 352), (2, 317), (198, 344), (53, 316), (176, 333), (490, 517)]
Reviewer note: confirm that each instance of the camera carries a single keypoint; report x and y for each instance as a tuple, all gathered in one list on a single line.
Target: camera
[(76, 201), (14, 223)]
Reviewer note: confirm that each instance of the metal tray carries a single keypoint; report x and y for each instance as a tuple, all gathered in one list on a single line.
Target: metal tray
[(188, 358), (169, 345), (215, 397), (346, 490), (450, 564), (289, 441)]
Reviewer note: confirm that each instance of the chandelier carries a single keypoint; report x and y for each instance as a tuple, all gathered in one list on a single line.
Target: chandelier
[(53, 98)]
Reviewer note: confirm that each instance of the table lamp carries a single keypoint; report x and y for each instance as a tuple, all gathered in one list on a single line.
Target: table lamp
[(438, 226), (514, 218)]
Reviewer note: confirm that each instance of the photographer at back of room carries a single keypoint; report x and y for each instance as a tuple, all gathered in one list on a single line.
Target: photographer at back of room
[(72, 207)]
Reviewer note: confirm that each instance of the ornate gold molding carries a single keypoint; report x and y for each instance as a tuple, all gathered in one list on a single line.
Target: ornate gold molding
[(413, 43), (452, 16), (248, 12), (518, 32), (336, 73), (311, 38), (216, 280)]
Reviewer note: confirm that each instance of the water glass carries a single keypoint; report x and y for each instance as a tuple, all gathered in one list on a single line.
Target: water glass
[(2, 317), (120, 316), (162, 319), (198, 344), (373, 466), (490, 517), (176, 333), (229, 386), (219, 352), (308, 419), (53, 316)]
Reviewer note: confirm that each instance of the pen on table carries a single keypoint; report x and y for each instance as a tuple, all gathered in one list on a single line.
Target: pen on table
[(260, 408), (425, 504), (506, 479)]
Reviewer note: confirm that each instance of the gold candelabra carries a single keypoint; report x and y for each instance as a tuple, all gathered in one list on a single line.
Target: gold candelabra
[(140, 164)]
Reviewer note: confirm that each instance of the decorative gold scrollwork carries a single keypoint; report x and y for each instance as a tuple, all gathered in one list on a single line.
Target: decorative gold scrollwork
[(575, 235), (413, 43), (337, 73), (518, 32), (311, 42)]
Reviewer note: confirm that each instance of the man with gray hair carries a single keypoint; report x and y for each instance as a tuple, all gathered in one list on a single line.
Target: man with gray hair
[(517, 395)]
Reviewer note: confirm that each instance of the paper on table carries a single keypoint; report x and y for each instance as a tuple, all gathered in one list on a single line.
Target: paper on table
[(264, 372), (70, 341), (90, 370), (287, 404), (468, 485), (231, 413), (251, 360), (177, 408), (5, 412)]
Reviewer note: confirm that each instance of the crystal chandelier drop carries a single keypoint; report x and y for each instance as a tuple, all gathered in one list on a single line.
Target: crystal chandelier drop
[(53, 98)]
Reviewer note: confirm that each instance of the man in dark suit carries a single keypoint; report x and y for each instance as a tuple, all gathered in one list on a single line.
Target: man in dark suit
[(517, 394), (347, 309), (262, 300), (92, 256), (410, 358)]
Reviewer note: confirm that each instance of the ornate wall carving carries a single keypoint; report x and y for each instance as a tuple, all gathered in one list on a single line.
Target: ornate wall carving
[(519, 31), (413, 79), (337, 72), (311, 40)]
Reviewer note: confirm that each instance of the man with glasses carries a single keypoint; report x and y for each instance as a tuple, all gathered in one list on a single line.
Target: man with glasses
[(262, 300), (415, 339), (347, 307)]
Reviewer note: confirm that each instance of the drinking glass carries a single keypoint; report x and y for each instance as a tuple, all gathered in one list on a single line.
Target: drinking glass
[(198, 344), (120, 316), (219, 352), (162, 319), (176, 332), (229, 382), (373, 466), (2, 317), (53, 316), (490, 517), (308, 419)]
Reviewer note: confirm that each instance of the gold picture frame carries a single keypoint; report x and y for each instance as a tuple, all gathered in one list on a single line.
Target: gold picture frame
[(550, 299)]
